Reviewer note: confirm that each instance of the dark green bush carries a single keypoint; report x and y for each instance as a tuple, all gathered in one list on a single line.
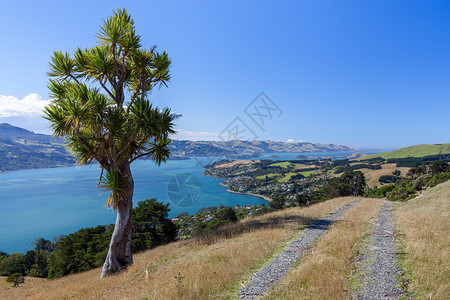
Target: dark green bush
[(152, 226), (389, 179), (439, 178)]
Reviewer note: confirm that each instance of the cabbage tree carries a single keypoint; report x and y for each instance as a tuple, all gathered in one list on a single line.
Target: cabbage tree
[(100, 105)]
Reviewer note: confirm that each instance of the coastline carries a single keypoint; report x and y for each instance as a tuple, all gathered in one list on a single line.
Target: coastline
[(268, 199)]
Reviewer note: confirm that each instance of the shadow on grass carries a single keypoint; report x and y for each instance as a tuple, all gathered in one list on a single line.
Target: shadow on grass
[(321, 225), (233, 230)]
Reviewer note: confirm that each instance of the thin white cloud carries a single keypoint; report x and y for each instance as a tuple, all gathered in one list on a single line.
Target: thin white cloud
[(195, 135), (31, 105), (293, 141)]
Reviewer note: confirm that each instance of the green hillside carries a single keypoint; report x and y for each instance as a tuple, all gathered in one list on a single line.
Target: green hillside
[(413, 151)]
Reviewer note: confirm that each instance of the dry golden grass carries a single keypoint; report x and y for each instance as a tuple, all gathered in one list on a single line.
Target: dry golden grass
[(425, 223), (356, 155), (298, 166), (29, 281), (237, 162), (322, 273), (3, 282), (211, 266), (372, 176)]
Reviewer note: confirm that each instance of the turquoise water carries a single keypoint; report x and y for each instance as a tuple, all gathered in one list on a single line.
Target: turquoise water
[(52, 202)]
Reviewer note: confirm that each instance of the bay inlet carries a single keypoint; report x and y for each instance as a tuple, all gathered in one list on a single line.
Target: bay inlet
[(57, 201)]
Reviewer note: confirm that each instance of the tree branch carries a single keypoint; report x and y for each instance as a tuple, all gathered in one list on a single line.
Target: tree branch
[(111, 147), (102, 162), (107, 90), (74, 78), (125, 148), (100, 179), (88, 137), (140, 155)]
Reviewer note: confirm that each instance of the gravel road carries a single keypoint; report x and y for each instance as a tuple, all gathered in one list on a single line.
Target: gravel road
[(278, 267), (377, 263)]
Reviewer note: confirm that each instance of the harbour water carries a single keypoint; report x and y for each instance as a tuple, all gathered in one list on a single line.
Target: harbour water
[(52, 202)]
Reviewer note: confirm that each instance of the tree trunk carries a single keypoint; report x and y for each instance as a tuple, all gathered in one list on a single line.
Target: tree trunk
[(119, 254)]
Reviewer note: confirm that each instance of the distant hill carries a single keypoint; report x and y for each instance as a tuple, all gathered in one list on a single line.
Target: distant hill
[(242, 149), (24, 149), (8, 131), (413, 151)]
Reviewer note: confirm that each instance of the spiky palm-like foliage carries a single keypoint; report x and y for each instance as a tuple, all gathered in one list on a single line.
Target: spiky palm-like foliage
[(100, 105)]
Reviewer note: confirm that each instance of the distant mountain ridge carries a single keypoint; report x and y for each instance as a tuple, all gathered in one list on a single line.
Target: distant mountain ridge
[(249, 148), (24, 149), (13, 132)]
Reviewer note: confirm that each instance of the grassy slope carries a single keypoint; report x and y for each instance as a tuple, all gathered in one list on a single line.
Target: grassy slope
[(413, 151), (425, 224), (280, 164), (212, 266), (424, 245), (373, 176), (215, 266)]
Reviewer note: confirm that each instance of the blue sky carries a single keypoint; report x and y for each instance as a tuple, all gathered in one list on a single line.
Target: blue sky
[(370, 74)]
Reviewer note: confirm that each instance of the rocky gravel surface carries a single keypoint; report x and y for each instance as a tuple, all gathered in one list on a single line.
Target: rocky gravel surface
[(377, 263), (278, 267)]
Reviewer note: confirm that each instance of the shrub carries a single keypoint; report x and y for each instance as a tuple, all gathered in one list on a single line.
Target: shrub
[(439, 178), (389, 179), (152, 226), (381, 191), (227, 214), (402, 191), (277, 203), (16, 278)]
